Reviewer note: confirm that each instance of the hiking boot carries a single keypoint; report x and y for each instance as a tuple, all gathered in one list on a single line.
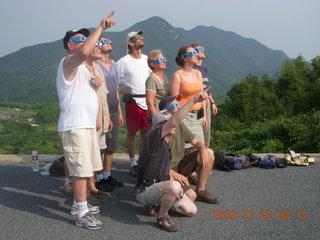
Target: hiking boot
[(205, 196), (93, 201), (100, 194), (113, 182), (67, 189), (103, 186), (92, 209), (88, 222), (134, 171), (150, 210), (167, 224), (193, 179)]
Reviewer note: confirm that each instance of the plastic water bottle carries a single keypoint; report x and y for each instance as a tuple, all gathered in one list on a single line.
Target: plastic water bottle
[(35, 160)]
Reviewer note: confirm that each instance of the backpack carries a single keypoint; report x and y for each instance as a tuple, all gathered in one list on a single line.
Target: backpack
[(57, 168), (237, 162), (223, 161), (254, 160), (268, 161), (297, 159), (245, 161)]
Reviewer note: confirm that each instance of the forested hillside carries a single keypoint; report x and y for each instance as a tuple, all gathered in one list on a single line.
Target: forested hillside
[(29, 74)]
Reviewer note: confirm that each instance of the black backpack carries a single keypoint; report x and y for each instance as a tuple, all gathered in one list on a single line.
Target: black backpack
[(57, 168), (254, 160), (224, 161)]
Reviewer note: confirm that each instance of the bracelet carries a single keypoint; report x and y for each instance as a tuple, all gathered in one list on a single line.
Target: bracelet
[(213, 103)]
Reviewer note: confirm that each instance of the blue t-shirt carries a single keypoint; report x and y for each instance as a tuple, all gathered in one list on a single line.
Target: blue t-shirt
[(205, 77), (112, 81)]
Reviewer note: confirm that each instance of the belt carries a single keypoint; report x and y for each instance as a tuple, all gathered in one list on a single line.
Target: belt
[(149, 183)]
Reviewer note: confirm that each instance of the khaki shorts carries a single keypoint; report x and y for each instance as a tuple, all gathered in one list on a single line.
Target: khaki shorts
[(102, 140), (81, 151), (151, 196), (195, 126)]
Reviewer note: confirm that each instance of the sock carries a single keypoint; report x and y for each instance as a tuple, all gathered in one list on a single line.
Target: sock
[(99, 177), (106, 175), (67, 180), (82, 208), (133, 162)]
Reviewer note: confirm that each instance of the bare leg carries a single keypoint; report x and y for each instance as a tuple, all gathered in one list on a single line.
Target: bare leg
[(91, 185), (204, 172), (108, 157), (130, 143), (170, 191), (80, 189), (143, 133)]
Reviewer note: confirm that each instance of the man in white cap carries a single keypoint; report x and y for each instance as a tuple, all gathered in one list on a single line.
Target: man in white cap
[(133, 70)]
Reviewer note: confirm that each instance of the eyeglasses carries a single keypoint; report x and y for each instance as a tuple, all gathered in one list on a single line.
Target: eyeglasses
[(78, 39), (173, 106), (105, 41), (199, 49), (135, 38), (160, 60), (190, 54)]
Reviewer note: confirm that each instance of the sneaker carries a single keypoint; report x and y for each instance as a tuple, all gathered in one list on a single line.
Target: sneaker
[(88, 222), (205, 196), (134, 171), (67, 189), (167, 224), (92, 200), (92, 209), (100, 194), (113, 182), (103, 186)]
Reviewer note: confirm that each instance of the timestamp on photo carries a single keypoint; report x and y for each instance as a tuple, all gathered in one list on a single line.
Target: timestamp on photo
[(261, 214)]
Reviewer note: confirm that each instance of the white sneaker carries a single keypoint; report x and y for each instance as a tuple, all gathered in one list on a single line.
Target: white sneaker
[(88, 222)]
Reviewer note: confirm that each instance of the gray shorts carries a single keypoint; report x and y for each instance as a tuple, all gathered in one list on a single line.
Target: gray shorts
[(112, 137), (151, 196)]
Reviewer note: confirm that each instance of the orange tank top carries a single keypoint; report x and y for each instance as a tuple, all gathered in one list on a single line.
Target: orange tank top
[(189, 90)]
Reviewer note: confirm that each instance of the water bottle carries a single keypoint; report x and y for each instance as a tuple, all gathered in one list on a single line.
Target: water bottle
[(35, 160)]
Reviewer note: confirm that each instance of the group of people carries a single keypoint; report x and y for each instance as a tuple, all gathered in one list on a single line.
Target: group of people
[(173, 120)]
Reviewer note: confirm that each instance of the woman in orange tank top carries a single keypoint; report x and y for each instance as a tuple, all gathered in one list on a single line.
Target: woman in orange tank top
[(187, 82)]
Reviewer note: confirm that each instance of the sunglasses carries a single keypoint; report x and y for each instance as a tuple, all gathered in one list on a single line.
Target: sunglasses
[(78, 39), (173, 106), (160, 60), (190, 54), (105, 41), (135, 38), (199, 49)]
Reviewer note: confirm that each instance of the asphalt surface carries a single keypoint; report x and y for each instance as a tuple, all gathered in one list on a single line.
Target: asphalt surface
[(255, 204)]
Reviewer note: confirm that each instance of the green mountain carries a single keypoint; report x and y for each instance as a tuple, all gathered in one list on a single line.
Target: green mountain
[(28, 75)]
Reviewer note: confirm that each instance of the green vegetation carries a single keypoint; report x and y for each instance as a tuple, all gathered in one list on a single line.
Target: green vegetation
[(272, 115), (259, 114)]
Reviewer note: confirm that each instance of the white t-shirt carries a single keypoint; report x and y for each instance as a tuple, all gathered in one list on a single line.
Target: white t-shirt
[(77, 100), (133, 73)]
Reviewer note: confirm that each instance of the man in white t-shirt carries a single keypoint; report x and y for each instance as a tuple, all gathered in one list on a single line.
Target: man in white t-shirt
[(78, 114), (133, 70)]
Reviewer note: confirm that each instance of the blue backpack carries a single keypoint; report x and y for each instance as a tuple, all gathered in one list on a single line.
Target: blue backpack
[(269, 162)]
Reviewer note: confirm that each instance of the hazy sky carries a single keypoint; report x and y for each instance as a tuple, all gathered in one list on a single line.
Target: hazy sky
[(289, 25)]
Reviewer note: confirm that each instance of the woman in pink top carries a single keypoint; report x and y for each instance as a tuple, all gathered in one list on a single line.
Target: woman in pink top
[(187, 82)]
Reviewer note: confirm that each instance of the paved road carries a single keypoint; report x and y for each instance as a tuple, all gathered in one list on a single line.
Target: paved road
[(33, 207)]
